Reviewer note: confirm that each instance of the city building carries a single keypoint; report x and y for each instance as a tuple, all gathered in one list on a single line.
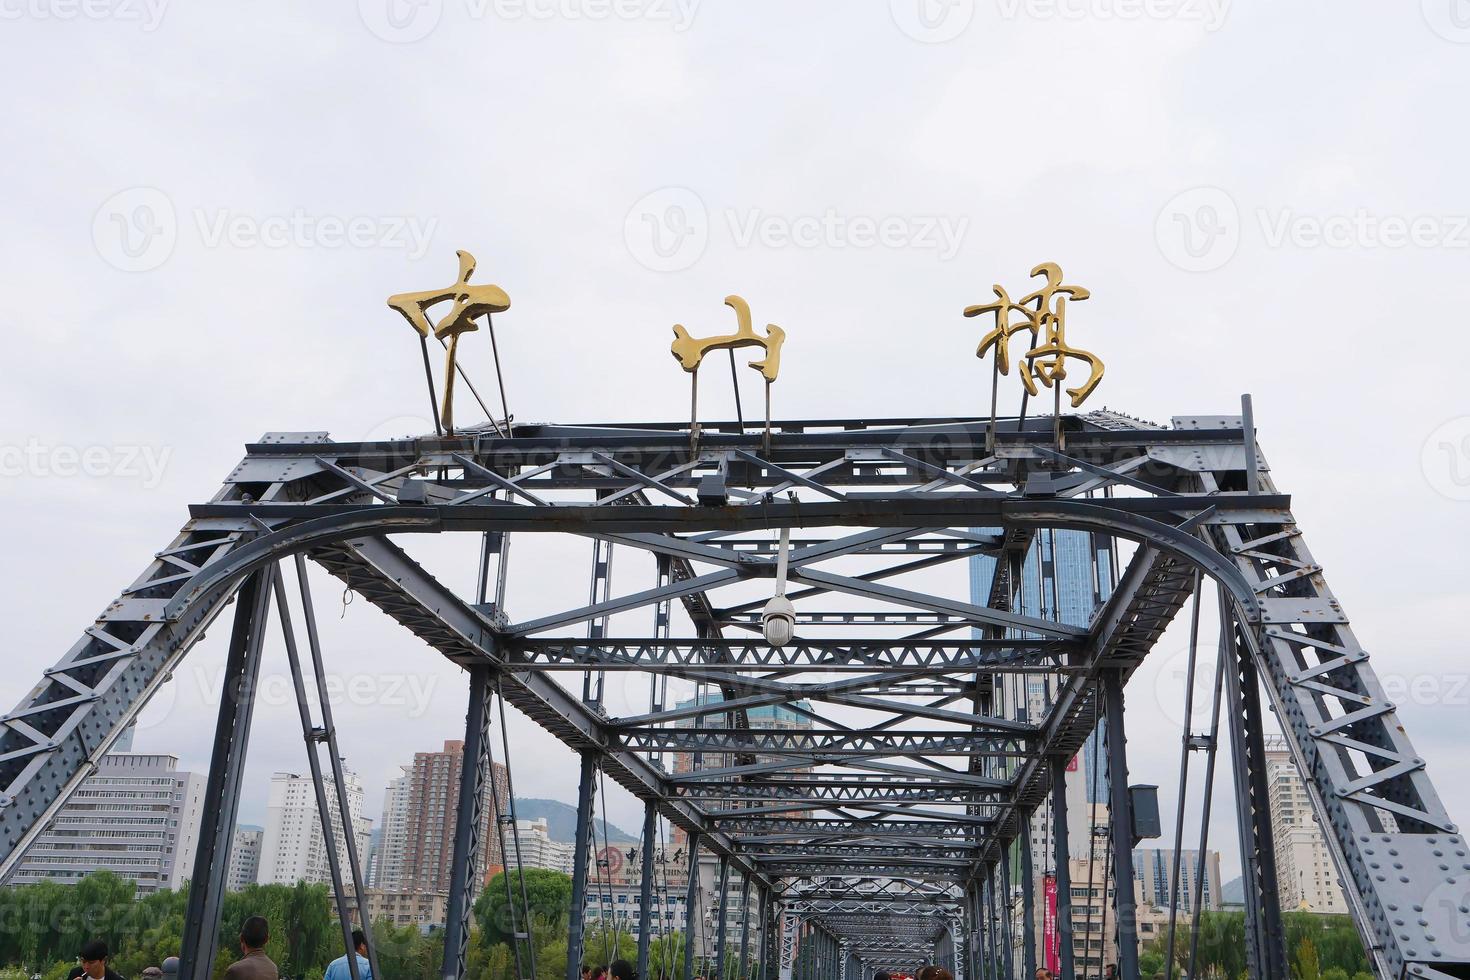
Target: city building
[(536, 848), (386, 869), (136, 816), (292, 848), (427, 910), (1305, 874), (431, 815), (1153, 868), (244, 857)]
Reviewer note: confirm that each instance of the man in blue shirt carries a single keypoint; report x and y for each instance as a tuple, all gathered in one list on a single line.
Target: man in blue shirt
[(338, 968)]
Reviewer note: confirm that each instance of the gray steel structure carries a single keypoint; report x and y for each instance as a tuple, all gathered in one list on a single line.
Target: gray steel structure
[(886, 842)]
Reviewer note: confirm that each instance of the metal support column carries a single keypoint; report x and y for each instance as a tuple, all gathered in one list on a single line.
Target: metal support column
[(691, 903), (470, 806), (763, 939), (744, 924), (720, 904), (577, 919), (1028, 900), (1120, 805), (1265, 937), (222, 789), (339, 776), (1063, 871), (312, 735), (645, 887)]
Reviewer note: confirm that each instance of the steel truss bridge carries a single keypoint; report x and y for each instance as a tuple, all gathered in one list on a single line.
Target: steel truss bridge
[(895, 829)]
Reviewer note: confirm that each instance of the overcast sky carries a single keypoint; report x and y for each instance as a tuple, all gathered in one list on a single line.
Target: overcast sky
[(207, 204)]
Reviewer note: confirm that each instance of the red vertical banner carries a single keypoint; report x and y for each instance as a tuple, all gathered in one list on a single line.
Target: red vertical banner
[(1049, 927)]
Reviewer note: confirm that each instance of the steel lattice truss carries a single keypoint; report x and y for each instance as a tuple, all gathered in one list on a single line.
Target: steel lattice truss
[(875, 830)]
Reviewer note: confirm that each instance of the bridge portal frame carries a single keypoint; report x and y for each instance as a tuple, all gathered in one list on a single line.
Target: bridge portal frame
[(1196, 496)]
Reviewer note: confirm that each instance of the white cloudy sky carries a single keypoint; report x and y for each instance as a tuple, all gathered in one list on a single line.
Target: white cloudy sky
[(1265, 198)]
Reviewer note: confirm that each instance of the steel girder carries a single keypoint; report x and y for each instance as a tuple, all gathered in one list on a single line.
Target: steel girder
[(902, 498)]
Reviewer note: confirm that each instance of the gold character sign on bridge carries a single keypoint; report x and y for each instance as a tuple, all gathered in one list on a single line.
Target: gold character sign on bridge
[(1042, 312), (469, 304), (689, 352)]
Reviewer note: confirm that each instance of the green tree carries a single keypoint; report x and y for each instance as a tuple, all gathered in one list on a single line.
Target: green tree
[(1307, 965), (548, 892)]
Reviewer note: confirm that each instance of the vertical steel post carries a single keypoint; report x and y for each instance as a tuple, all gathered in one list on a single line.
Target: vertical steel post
[(1264, 933), (310, 735), (1008, 952), (645, 888), (1028, 899), (576, 926), (222, 789), (763, 939), (470, 805), (1063, 869), (339, 778), (721, 904), (1121, 817), (691, 902), (744, 924)]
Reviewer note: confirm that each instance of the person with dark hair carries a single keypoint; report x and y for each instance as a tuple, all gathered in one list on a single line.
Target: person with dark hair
[(882, 975), (338, 968), (93, 961), (623, 970), (599, 972), (253, 964)]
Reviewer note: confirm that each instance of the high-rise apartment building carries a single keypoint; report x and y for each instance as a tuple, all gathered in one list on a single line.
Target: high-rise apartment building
[(1305, 874), (1153, 868), (292, 848), (244, 857), (386, 870), (431, 817), (137, 816)]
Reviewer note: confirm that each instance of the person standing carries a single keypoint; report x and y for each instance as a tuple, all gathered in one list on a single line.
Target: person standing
[(93, 957), (338, 968), (253, 964)]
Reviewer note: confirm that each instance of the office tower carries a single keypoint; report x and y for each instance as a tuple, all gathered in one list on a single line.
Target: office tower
[(137, 816)]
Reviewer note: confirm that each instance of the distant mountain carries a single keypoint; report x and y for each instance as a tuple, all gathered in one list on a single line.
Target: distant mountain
[(1231, 893), (561, 821)]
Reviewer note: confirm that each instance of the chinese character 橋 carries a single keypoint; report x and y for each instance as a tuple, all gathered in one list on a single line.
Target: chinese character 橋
[(1042, 313)]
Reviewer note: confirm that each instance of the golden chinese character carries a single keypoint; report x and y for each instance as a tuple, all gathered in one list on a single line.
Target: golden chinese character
[(1043, 311), (689, 351), (470, 303)]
